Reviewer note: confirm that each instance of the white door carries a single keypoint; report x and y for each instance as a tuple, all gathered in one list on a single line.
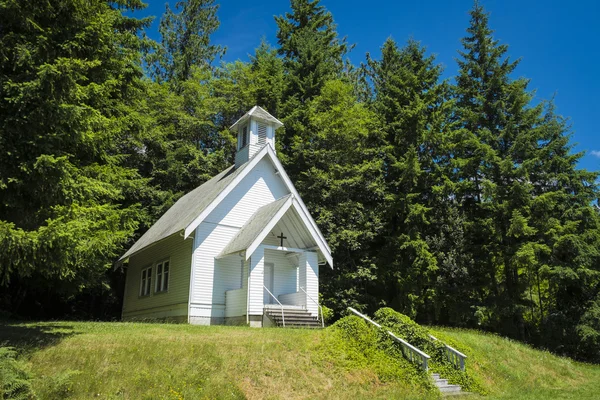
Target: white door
[(269, 270)]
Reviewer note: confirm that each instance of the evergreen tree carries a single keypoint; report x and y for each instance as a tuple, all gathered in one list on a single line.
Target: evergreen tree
[(312, 55), (69, 77), (344, 189), (521, 194), (414, 111), (268, 78), (185, 41)]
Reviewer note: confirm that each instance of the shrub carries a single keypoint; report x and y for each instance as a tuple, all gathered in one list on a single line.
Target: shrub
[(15, 382), (404, 327)]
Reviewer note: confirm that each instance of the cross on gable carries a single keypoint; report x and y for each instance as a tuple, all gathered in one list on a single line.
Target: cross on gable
[(281, 238)]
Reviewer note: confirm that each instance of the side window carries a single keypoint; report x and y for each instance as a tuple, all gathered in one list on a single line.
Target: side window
[(146, 281), (244, 136), (162, 276)]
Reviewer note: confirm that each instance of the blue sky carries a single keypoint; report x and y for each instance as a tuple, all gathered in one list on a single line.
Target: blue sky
[(557, 41)]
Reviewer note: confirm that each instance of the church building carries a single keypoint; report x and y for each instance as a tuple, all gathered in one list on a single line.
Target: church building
[(240, 249)]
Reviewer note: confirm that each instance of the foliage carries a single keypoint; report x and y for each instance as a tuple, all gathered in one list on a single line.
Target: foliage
[(69, 76), (364, 346), (418, 336), (15, 381), (457, 204), (185, 41), (59, 386)]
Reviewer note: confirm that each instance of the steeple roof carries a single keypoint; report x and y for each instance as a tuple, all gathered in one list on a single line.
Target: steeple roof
[(258, 113)]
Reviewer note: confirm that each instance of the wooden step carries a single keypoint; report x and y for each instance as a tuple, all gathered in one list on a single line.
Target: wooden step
[(294, 318)]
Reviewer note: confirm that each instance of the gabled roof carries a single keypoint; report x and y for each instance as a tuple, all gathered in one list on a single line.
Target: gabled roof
[(190, 210), (258, 113), (256, 225), (186, 209), (256, 229)]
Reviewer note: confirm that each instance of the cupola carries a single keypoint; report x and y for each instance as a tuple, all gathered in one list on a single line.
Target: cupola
[(254, 130)]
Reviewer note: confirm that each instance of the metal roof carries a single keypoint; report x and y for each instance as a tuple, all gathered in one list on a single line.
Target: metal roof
[(254, 226), (185, 210)]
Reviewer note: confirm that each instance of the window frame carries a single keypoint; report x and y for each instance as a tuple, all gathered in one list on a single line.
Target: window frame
[(245, 140), (145, 286), (161, 285)]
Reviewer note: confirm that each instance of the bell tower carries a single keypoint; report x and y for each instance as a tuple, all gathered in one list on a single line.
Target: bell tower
[(254, 130)]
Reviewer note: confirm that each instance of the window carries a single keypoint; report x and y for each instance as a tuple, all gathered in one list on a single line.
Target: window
[(262, 134), (146, 281), (244, 136), (162, 276)]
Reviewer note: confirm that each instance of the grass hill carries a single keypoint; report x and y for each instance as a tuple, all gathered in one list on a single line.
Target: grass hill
[(85, 360)]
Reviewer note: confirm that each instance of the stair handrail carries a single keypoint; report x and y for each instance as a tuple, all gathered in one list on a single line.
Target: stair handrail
[(408, 350), (280, 305), (454, 356), (318, 305)]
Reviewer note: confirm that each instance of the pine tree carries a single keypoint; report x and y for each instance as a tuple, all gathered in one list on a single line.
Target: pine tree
[(268, 78), (69, 77)]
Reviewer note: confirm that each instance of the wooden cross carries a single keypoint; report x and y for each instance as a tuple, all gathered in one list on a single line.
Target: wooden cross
[(282, 237)]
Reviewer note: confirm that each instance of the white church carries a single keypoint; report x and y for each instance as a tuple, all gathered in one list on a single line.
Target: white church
[(240, 249)]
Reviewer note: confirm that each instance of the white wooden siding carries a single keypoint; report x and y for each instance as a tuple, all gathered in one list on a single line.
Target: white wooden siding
[(213, 277), (260, 187), (235, 302), (256, 290), (284, 277), (293, 299), (210, 240), (312, 281), (164, 304)]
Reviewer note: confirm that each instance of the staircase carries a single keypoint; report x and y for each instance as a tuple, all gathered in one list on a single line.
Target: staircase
[(294, 318), (444, 387)]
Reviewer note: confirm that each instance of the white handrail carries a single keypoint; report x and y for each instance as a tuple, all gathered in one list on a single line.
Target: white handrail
[(280, 305), (318, 305), (424, 357), (409, 348), (454, 356)]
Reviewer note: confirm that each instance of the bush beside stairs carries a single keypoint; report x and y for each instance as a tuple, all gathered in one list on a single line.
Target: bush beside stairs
[(441, 363)]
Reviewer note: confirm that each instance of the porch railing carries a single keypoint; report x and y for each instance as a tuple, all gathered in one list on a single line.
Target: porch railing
[(409, 351), (318, 305), (454, 356), (278, 302)]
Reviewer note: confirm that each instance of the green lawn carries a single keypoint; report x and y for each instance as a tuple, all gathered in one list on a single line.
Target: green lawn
[(511, 370), (85, 360)]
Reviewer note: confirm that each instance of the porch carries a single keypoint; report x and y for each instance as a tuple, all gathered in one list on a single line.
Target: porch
[(281, 253), (280, 282)]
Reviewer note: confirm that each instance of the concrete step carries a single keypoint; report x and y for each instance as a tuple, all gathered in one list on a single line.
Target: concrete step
[(445, 387), (449, 388)]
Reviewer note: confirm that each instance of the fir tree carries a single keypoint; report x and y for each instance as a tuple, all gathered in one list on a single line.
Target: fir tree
[(521, 193), (69, 77), (414, 110), (185, 41)]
